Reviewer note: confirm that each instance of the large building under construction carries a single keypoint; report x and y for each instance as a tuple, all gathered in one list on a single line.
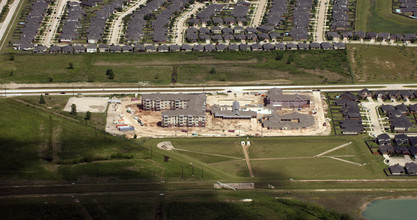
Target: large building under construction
[(177, 110), (276, 98)]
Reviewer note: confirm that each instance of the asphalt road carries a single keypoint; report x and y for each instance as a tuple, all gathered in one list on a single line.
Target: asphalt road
[(69, 89)]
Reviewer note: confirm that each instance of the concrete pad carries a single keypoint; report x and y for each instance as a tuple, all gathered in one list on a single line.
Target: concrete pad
[(84, 104)]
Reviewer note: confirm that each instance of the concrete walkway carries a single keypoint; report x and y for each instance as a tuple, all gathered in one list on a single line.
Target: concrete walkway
[(333, 149), (346, 161), (216, 155), (245, 152)]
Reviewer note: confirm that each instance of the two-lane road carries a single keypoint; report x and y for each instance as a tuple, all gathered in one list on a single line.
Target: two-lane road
[(57, 89)]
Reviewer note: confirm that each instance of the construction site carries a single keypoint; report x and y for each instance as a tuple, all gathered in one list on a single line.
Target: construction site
[(218, 115)]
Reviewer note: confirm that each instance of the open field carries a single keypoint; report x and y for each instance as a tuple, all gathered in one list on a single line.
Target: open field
[(184, 68), (69, 150), (173, 205), (284, 157), (377, 16), (379, 64)]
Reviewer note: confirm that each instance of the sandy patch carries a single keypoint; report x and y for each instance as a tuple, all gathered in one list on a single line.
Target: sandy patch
[(84, 104)]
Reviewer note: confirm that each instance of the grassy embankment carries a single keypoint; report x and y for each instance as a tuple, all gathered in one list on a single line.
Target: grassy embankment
[(377, 16), (306, 67), (383, 64)]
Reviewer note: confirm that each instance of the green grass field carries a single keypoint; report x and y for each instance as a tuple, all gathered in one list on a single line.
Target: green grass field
[(221, 205), (377, 16), (379, 64), (42, 146), (278, 158), (191, 68)]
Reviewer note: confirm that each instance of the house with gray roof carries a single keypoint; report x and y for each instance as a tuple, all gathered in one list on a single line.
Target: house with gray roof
[(291, 121), (91, 48)]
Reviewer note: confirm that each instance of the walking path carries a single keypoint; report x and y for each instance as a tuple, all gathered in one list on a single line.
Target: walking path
[(180, 24), (216, 155), (117, 24), (333, 149), (52, 26), (346, 161), (245, 152)]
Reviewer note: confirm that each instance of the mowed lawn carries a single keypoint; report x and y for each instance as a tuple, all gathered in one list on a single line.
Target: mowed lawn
[(279, 157), (383, 64), (293, 146), (377, 16)]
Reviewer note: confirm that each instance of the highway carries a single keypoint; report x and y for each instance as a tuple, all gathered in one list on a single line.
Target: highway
[(68, 89)]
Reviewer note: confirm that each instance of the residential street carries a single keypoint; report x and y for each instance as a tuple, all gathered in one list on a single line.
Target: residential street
[(4, 27), (52, 27), (117, 24), (259, 13), (180, 24), (321, 22), (36, 89)]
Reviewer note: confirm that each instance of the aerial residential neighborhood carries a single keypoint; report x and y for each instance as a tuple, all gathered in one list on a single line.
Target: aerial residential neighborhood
[(194, 109)]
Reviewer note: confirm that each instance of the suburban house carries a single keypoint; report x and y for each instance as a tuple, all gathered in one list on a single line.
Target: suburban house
[(396, 169), (383, 139)]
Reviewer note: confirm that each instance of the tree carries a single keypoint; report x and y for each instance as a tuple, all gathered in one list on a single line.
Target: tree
[(279, 55), (11, 57), (50, 79), (41, 100), (88, 116), (213, 70), (70, 66), (110, 73), (135, 136), (290, 59), (73, 109)]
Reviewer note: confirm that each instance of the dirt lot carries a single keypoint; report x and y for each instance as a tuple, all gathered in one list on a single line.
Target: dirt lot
[(84, 104), (215, 127)]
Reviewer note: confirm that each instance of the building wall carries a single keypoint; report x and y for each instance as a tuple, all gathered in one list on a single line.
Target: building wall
[(183, 121)]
